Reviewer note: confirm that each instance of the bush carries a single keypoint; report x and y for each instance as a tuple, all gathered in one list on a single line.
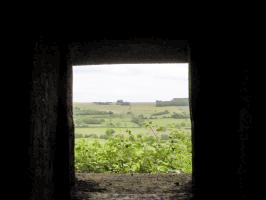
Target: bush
[(182, 115), (93, 121), (161, 113), (109, 132), (161, 129), (105, 137), (122, 103), (135, 153), (138, 120), (93, 135), (173, 102), (164, 136), (91, 112)]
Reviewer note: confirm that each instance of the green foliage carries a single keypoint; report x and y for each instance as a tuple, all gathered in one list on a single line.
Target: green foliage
[(104, 137), (78, 111), (135, 153), (161, 113), (164, 136), (117, 116), (173, 102), (109, 132), (92, 135), (139, 120), (161, 129), (104, 143), (103, 103), (93, 121), (181, 115)]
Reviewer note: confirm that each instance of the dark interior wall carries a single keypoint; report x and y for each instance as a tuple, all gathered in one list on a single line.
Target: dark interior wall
[(51, 145), (215, 113), (225, 81), (44, 106), (51, 130), (222, 100), (103, 51)]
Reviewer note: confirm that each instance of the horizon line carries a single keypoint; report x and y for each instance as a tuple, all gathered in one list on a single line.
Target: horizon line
[(127, 101)]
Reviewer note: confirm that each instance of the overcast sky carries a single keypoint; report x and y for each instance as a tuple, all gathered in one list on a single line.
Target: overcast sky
[(130, 82)]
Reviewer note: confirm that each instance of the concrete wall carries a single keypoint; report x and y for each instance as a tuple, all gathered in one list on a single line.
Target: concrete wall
[(224, 95), (103, 51), (44, 106), (51, 133), (221, 100)]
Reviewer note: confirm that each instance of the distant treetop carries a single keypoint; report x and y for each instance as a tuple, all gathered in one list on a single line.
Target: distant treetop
[(122, 103), (173, 102)]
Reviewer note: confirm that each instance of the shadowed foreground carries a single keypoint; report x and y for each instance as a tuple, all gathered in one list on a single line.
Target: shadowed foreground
[(132, 186)]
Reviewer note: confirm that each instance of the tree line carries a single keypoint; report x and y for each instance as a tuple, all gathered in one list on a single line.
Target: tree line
[(173, 102)]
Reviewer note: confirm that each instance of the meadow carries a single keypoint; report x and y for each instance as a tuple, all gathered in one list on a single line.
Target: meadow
[(132, 137), (119, 118)]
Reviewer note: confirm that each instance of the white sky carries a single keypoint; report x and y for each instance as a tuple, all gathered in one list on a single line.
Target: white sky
[(130, 82)]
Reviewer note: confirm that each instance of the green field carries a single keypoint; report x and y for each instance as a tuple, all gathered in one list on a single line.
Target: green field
[(139, 137), (93, 119)]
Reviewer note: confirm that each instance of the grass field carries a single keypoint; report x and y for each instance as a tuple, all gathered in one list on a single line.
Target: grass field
[(94, 119)]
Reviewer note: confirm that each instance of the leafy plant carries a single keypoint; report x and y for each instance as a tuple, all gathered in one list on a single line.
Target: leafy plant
[(135, 153)]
